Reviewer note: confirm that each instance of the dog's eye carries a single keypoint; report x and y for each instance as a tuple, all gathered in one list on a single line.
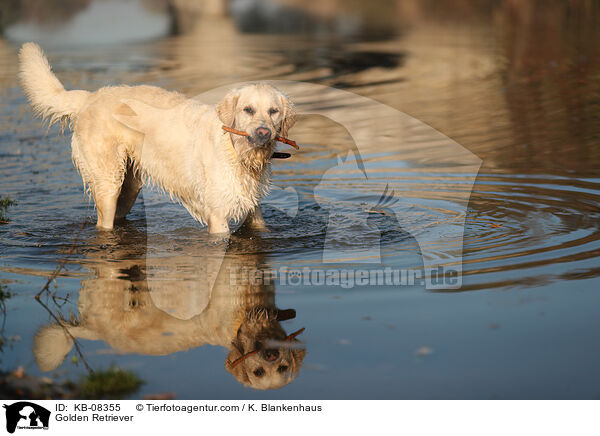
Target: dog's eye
[(259, 372), (282, 368), (249, 110), (273, 111)]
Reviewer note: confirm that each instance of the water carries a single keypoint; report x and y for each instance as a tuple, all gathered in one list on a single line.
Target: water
[(515, 85)]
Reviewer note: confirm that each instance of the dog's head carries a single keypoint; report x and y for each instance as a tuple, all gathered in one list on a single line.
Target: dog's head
[(261, 110), (261, 357)]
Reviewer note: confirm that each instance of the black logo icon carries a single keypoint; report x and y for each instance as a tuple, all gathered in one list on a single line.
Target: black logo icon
[(26, 415)]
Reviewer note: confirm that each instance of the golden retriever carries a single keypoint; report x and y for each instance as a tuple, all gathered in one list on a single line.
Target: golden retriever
[(124, 136), (132, 305)]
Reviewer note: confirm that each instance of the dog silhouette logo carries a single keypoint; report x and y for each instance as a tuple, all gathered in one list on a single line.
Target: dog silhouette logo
[(26, 415)]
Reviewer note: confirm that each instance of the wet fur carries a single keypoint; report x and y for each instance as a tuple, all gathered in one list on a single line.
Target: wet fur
[(127, 136), (138, 316)]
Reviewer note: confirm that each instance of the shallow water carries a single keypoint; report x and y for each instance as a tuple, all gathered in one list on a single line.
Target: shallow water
[(514, 86)]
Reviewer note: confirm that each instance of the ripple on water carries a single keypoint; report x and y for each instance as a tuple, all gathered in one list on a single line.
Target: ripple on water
[(525, 230)]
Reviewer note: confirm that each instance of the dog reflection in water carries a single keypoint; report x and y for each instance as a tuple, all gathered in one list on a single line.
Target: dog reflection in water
[(137, 305)]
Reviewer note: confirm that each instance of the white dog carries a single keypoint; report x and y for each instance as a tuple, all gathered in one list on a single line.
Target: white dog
[(126, 135), (123, 305)]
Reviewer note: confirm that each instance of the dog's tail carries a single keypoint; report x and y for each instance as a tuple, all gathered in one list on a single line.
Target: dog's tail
[(46, 94)]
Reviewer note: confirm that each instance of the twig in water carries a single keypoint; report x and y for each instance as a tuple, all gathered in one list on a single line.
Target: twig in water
[(46, 288)]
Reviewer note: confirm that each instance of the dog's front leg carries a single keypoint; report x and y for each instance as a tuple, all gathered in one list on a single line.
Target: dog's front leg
[(218, 224), (255, 219)]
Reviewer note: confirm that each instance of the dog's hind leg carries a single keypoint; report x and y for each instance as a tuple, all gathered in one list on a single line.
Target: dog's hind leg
[(102, 159), (132, 184), (106, 205), (218, 224), (102, 165)]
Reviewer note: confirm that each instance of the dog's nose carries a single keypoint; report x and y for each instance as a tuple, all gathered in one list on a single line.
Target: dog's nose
[(271, 354), (263, 133)]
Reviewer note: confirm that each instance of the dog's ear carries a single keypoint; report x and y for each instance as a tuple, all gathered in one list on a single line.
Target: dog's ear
[(288, 118), (239, 371), (297, 358), (226, 108)]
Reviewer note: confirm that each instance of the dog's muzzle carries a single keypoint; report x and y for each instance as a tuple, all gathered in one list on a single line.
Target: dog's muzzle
[(270, 354), (262, 135)]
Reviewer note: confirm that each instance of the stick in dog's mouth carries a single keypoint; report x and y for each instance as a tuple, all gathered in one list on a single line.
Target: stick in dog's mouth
[(277, 138), (239, 360)]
